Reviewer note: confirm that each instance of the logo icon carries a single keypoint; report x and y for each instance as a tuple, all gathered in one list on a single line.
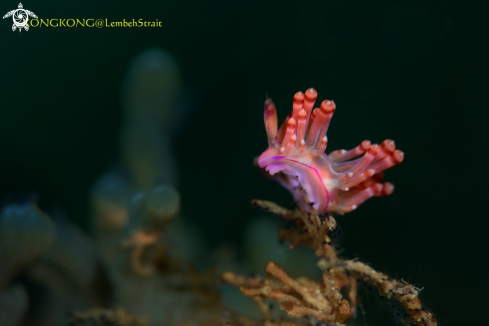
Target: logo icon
[(20, 17)]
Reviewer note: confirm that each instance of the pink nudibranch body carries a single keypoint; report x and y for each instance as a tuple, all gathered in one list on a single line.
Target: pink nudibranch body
[(333, 183)]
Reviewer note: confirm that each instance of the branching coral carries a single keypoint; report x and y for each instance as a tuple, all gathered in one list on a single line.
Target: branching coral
[(302, 297), (404, 293), (332, 300)]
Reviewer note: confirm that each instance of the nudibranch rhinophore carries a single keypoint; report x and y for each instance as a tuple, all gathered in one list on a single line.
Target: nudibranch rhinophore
[(333, 183)]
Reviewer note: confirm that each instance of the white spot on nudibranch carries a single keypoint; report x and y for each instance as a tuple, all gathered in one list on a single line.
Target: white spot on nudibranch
[(330, 184)]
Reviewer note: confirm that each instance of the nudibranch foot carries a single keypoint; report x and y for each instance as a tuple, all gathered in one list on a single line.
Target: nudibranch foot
[(338, 182)]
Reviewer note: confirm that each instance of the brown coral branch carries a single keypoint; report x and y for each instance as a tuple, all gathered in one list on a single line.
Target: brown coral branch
[(323, 301), (298, 311), (300, 298), (248, 282), (267, 293), (271, 207), (404, 293), (311, 295), (296, 237), (313, 229)]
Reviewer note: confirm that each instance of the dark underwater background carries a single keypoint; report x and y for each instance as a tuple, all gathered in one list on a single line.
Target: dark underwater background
[(412, 71)]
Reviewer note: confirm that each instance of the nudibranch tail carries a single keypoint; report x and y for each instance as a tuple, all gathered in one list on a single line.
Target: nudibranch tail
[(337, 182)]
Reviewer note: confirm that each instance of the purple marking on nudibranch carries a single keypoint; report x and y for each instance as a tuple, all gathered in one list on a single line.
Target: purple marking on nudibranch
[(319, 177)]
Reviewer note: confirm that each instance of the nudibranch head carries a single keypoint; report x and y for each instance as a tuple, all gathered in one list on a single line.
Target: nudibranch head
[(337, 182)]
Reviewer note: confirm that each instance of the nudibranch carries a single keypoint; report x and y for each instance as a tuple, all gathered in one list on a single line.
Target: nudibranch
[(337, 182)]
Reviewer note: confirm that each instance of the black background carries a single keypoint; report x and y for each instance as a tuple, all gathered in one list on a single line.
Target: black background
[(412, 71)]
